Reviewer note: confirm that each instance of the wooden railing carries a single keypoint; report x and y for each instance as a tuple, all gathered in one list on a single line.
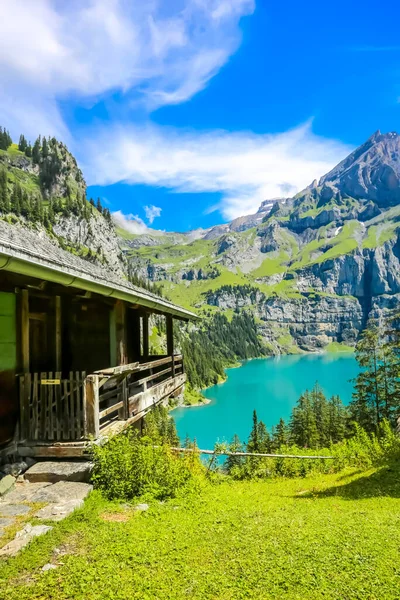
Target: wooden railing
[(119, 387), (80, 407)]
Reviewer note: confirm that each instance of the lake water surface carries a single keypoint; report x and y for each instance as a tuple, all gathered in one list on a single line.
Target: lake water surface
[(269, 385)]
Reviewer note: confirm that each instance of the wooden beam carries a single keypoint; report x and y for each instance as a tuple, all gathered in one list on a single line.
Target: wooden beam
[(58, 332), (145, 322), (170, 335), (113, 337), (120, 315), (25, 331)]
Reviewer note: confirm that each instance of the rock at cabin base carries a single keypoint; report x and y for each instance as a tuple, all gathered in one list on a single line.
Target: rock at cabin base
[(22, 539), (23, 492), (62, 492), (13, 510), (54, 471), (6, 483)]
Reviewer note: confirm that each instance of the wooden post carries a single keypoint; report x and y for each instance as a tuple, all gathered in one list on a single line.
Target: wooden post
[(120, 317), (146, 336), (170, 341), (91, 406), (25, 331), (58, 328), (113, 337)]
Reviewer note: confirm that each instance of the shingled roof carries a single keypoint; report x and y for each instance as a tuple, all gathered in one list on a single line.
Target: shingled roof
[(34, 253)]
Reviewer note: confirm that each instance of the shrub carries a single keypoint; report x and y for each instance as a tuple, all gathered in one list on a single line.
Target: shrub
[(129, 466)]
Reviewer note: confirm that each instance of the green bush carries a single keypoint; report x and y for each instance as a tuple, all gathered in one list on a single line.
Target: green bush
[(361, 450), (129, 466)]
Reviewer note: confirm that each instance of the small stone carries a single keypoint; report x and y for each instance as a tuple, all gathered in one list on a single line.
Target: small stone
[(16, 468), (22, 538), (48, 567), (13, 510), (57, 512), (142, 507), (6, 483)]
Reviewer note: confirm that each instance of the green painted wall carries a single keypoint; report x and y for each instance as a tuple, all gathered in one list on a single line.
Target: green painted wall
[(8, 332)]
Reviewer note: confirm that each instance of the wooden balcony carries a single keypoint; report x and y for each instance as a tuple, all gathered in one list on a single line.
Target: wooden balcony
[(59, 415)]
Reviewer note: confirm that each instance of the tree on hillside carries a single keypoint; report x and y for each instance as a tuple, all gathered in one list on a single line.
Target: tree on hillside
[(4, 195), (281, 434), (45, 149), (36, 151), (5, 139), (234, 461), (377, 386), (22, 144)]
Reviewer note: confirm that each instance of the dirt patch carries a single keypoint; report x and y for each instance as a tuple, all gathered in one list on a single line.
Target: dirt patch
[(118, 517)]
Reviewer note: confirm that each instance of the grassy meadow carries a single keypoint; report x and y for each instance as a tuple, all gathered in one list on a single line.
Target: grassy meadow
[(331, 536)]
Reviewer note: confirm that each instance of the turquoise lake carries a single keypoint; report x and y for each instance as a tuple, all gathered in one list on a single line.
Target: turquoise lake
[(269, 385)]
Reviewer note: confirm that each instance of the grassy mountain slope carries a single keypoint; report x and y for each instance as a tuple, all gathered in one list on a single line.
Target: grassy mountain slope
[(322, 536)]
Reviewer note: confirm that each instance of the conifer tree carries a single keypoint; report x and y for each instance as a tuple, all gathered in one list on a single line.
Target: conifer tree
[(36, 151), (28, 150), (4, 196), (22, 144), (16, 199), (281, 434), (234, 461), (45, 149), (99, 206)]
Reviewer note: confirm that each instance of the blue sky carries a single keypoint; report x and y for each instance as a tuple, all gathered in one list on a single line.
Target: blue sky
[(200, 109)]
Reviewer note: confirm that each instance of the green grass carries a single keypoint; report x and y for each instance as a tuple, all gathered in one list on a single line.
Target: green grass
[(335, 347), (271, 266), (330, 537)]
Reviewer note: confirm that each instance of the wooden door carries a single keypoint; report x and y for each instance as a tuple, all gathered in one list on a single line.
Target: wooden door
[(8, 364)]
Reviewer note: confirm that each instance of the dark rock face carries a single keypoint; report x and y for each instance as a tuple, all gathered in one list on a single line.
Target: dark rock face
[(371, 172)]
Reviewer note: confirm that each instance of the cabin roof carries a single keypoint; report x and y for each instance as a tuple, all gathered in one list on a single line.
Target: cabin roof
[(31, 252)]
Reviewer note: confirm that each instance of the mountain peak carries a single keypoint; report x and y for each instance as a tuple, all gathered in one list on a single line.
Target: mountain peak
[(371, 172)]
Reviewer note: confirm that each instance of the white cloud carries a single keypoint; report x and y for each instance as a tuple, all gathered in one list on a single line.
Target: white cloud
[(244, 167), (152, 212), (133, 223), (155, 52)]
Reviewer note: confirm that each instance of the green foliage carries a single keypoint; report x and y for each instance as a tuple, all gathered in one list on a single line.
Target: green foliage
[(130, 465), (316, 421), (377, 387), (5, 139)]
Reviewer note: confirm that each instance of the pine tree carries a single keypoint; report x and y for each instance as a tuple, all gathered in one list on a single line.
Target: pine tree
[(252, 444), (45, 149), (372, 390), (16, 199), (281, 434), (22, 144), (36, 151), (28, 150), (233, 462), (99, 206), (4, 196)]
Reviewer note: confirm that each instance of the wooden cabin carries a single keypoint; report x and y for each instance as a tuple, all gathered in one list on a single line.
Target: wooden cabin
[(75, 361)]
